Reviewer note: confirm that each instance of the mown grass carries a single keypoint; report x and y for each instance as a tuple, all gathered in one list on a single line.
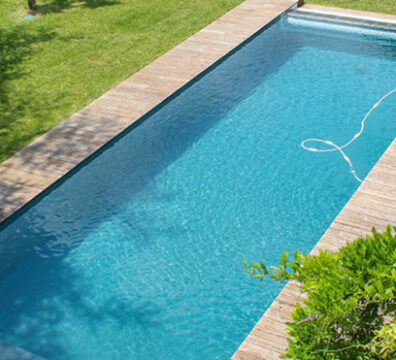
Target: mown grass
[(75, 50)]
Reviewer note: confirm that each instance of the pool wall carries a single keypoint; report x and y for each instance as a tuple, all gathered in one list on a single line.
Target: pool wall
[(48, 159), (372, 205)]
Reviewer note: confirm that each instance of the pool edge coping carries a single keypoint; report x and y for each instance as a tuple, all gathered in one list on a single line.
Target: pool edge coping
[(50, 158)]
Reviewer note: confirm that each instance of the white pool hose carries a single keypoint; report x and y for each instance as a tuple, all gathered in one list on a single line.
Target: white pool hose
[(335, 147)]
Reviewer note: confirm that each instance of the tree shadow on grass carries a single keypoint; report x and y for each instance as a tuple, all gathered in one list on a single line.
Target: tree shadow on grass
[(16, 46), (58, 6)]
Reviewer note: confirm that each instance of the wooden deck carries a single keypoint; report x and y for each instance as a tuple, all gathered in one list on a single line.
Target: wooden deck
[(36, 167), (372, 205)]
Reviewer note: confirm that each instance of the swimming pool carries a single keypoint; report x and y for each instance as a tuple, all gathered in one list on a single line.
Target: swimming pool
[(139, 253)]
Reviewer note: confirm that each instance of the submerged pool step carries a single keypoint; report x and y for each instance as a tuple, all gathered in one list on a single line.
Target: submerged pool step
[(337, 18), (9, 352)]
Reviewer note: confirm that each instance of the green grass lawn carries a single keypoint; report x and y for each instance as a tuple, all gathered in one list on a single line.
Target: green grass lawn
[(75, 50)]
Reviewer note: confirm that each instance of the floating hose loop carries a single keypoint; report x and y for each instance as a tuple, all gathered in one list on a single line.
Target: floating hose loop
[(335, 147)]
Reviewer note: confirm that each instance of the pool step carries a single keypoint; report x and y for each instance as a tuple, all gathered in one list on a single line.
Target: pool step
[(336, 17), (9, 352)]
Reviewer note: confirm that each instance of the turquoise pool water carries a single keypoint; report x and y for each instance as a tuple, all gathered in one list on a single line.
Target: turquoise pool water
[(139, 254)]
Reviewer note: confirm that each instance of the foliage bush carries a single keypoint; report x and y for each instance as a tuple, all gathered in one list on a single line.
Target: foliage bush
[(350, 305)]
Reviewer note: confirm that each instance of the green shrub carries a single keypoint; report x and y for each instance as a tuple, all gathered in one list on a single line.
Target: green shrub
[(384, 343), (349, 311)]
